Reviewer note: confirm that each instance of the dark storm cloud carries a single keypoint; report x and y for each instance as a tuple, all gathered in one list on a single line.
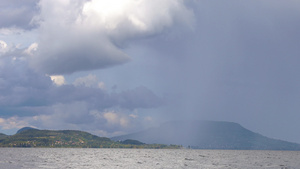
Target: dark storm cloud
[(239, 64), (72, 56), (18, 13)]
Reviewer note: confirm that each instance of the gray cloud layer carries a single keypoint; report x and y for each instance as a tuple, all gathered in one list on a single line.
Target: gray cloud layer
[(22, 87), (31, 98), (18, 13)]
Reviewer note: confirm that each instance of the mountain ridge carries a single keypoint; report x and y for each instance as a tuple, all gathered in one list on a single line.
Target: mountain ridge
[(209, 135), (30, 137), (25, 128)]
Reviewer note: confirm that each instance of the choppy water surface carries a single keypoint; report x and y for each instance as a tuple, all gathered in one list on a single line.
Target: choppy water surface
[(145, 158)]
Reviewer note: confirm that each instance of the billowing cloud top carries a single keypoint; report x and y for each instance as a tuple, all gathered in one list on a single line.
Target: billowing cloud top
[(84, 35)]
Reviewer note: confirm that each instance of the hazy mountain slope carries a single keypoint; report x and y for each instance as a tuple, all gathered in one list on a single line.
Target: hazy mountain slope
[(209, 135)]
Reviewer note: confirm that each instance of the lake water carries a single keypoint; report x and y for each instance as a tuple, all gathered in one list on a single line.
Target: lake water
[(146, 158)]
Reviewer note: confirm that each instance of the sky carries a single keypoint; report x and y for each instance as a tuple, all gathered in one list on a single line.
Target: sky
[(112, 67)]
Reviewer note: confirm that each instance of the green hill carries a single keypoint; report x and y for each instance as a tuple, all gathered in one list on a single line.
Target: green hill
[(24, 128), (2, 136), (30, 137)]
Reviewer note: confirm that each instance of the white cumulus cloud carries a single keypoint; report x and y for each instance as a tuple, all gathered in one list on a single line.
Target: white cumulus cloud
[(31, 49), (58, 80), (12, 123), (3, 46)]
